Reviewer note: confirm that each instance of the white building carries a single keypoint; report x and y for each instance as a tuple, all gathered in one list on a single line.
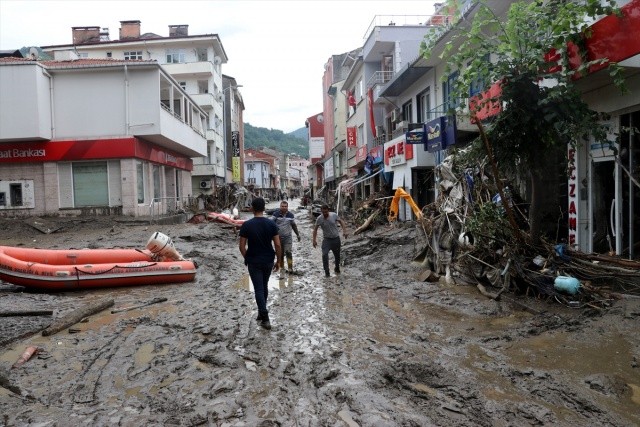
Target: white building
[(95, 136), (194, 61), (256, 172)]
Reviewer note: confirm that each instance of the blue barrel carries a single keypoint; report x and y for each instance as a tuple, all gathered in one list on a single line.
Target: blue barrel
[(567, 284)]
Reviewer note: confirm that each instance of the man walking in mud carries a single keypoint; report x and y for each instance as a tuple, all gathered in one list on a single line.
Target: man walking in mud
[(256, 236), (328, 221), (286, 225)]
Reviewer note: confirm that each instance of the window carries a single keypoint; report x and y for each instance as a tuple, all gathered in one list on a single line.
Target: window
[(407, 111), (156, 183), (176, 56), (359, 90), (90, 184), (3, 199), (448, 89), (133, 55), (202, 54), (183, 85), (478, 83), (424, 106), (109, 55), (140, 167)]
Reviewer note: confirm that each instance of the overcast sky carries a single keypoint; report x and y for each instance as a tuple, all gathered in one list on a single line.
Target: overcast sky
[(276, 49)]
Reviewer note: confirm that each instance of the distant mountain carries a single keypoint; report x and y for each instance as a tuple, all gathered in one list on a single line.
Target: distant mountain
[(293, 142), (302, 133)]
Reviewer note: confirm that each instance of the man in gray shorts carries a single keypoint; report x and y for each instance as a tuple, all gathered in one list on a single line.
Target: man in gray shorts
[(328, 221)]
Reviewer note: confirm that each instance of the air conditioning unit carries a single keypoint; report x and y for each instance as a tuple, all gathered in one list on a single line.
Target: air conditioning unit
[(205, 184)]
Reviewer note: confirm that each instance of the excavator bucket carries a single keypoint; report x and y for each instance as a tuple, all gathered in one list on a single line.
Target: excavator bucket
[(395, 202)]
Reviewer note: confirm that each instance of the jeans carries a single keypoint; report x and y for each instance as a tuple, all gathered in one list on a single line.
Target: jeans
[(260, 274), (330, 244)]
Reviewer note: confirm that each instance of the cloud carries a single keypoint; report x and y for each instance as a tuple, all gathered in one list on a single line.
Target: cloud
[(277, 49)]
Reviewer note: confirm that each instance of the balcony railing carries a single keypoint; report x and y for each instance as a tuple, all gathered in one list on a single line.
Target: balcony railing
[(412, 20), (379, 78)]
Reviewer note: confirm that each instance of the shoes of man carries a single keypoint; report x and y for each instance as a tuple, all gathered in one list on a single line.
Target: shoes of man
[(337, 270), (259, 318), (265, 324), (282, 274), (326, 274)]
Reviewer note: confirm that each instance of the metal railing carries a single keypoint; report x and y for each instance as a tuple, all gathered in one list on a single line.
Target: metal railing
[(167, 206)]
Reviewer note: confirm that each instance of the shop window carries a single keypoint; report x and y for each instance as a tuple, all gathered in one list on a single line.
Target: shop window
[(140, 168), (3, 199)]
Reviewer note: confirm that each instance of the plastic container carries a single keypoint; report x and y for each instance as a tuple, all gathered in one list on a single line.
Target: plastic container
[(161, 245), (567, 284)]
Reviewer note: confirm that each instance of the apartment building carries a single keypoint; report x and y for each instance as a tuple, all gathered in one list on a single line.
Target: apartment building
[(374, 119), (95, 136), (194, 62), (394, 99)]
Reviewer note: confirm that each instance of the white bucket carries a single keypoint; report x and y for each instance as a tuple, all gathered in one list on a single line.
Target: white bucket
[(161, 245)]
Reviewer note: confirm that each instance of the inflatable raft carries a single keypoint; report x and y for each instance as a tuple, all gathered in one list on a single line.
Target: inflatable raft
[(60, 269)]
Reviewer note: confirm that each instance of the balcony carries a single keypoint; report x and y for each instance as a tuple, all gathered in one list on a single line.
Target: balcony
[(206, 101), (203, 69)]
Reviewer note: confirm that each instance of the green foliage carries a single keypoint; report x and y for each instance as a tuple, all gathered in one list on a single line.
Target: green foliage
[(487, 223), (542, 106), (255, 137)]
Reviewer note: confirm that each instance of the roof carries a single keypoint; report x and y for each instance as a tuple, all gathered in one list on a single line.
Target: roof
[(77, 63)]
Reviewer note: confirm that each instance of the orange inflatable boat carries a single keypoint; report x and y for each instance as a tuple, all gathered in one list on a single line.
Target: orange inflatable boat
[(58, 269)]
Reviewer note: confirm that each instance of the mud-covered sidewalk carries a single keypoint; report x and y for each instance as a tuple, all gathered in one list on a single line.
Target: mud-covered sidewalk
[(373, 346)]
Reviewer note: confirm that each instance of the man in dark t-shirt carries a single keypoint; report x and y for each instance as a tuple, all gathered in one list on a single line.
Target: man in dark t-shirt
[(256, 236)]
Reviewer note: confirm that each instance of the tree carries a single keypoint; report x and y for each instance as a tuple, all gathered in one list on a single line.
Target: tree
[(532, 50)]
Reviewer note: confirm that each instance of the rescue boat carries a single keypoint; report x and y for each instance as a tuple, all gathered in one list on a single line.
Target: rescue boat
[(71, 269)]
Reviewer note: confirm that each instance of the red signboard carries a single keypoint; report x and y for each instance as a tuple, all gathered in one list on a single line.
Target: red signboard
[(614, 37), (102, 149), (352, 133), (361, 154)]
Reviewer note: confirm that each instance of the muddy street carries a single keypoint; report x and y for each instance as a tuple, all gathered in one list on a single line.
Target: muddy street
[(373, 346)]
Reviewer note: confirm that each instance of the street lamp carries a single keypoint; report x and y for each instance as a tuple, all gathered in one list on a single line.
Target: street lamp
[(226, 120)]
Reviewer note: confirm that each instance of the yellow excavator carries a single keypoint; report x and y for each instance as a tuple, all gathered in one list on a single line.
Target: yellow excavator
[(395, 202)]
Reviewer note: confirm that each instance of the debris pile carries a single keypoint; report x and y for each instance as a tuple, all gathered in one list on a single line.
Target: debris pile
[(466, 234)]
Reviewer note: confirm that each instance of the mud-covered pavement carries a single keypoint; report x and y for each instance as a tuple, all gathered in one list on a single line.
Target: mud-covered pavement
[(371, 347)]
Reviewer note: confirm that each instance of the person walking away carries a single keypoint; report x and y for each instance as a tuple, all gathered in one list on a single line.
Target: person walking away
[(256, 238), (329, 221), (286, 223)]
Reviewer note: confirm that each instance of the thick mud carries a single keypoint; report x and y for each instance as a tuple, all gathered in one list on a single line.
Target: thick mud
[(373, 346)]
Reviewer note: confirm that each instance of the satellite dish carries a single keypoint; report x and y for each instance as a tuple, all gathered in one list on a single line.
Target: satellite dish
[(34, 53)]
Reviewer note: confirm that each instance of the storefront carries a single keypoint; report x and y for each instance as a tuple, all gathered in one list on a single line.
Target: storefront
[(126, 176), (411, 166)]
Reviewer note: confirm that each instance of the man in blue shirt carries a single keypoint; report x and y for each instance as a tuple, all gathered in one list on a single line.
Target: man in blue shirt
[(256, 238), (286, 223)]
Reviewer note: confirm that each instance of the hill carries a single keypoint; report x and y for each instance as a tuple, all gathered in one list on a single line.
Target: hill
[(255, 137)]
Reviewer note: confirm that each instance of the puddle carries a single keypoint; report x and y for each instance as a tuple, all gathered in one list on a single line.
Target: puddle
[(274, 282)]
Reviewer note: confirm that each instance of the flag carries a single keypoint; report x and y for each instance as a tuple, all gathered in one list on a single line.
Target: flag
[(371, 118)]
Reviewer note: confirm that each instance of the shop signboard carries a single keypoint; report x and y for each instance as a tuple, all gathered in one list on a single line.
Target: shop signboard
[(434, 135)]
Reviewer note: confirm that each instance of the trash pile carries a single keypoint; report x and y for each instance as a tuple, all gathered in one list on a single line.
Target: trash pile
[(466, 234)]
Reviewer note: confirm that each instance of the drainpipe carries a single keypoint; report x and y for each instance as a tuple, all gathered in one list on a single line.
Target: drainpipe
[(53, 116), (126, 100)]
